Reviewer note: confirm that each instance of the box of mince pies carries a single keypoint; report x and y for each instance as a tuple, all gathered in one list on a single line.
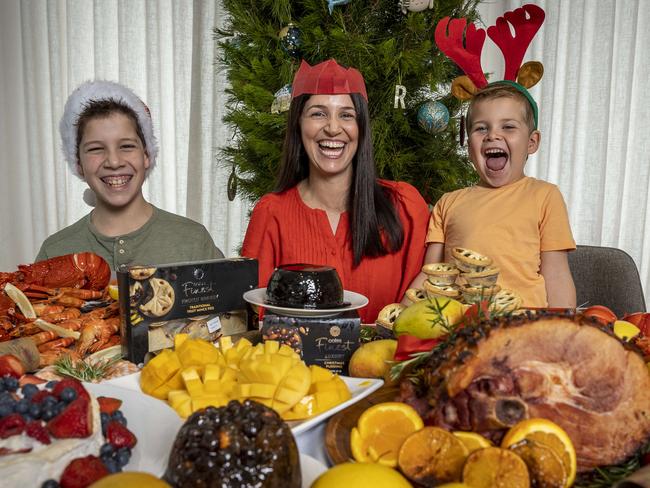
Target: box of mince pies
[(202, 299)]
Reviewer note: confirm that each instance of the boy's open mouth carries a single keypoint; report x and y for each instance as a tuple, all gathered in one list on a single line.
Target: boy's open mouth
[(495, 159), (116, 181)]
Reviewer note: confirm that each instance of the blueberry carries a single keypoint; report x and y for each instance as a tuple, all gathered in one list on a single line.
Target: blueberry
[(22, 406), (123, 456), (50, 484), (118, 416), (6, 409), (29, 391), (111, 465), (50, 384), (5, 397), (49, 401), (35, 410), (68, 394), (2, 385), (48, 413), (106, 449), (11, 383), (27, 417)]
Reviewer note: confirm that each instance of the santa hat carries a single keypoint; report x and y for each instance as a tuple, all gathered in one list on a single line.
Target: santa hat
[(93, 91)]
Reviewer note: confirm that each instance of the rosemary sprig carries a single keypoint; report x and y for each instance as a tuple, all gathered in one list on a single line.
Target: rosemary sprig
[(398, 367), (84, 370), (606, 476)]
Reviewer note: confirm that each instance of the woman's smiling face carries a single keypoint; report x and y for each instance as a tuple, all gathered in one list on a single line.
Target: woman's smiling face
[(330, 133), (112, 160)]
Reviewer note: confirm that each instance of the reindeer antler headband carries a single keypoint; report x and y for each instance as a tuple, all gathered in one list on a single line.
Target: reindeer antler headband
[(468, 55)]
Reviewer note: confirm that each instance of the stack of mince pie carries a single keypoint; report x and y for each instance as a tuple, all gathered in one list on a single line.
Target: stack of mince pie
[(479, 277)]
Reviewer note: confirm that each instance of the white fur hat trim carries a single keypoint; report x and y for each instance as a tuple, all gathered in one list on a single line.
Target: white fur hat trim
[(102, 90)]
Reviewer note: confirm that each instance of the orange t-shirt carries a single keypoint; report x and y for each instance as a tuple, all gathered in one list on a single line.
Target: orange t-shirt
[(284, 230), (512, 224)]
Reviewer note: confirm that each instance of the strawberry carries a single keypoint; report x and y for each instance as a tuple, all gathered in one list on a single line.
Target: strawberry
[(11, 365), (10, 425), (74, 421), (119, 436), (83, 472), (70, 383), (108, 404), (40, 396), (37, 431)]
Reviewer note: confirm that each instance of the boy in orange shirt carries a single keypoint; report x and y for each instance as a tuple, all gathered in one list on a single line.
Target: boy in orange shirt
[(518, 221)]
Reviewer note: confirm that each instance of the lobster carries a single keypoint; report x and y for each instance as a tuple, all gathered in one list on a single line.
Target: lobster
[(78, 270)]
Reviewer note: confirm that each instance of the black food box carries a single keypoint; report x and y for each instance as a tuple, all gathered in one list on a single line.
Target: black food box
[(324, 341), (202, 299)]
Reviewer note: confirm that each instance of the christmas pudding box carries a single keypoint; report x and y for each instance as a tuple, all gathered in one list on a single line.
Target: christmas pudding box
[(324, 341), (203, 299)]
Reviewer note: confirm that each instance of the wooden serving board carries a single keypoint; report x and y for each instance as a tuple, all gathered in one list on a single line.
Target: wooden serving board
[(337, 432)]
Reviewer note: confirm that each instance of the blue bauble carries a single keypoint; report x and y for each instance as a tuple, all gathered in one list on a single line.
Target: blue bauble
[(290, 40), (433, 117)]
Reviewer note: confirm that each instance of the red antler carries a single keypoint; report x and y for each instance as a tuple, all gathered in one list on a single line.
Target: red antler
[(467, 58), (514, 47)]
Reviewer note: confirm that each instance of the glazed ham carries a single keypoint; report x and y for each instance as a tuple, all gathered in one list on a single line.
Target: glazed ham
[(567, 369)]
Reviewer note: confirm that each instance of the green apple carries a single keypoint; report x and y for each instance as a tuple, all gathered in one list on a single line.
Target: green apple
[(430, 318)]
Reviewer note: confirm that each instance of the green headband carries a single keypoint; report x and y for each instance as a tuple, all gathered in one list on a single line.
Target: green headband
[(521, 89)]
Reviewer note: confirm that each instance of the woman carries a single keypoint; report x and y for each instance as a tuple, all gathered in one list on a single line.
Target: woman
[(107, 138), (328, 206)]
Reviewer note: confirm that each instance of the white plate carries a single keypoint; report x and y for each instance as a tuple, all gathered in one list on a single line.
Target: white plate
[(359, 388), (145, 416), (310, 469), (258, 297)]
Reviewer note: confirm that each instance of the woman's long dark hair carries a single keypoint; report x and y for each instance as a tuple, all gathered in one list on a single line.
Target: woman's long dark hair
[(374, 221)]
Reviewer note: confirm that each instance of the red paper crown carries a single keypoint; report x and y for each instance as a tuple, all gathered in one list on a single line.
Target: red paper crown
[(327, 78)]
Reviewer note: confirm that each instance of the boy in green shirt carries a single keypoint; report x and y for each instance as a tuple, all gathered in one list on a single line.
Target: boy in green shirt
[(107, 137)]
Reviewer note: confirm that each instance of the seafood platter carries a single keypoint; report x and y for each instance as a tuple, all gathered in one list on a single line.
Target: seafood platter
[(477, 391)]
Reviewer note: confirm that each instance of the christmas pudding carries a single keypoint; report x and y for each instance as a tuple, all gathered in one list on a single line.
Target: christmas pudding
[(242, 444), (305, 286), (59, 435)]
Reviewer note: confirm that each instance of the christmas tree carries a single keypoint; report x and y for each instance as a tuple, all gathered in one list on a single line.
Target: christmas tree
[(390, 42)]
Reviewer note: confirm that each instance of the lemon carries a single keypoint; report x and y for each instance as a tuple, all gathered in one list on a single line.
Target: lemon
[(429, 319), (547, 433), (381, 430), (113, 292), (361, 475), (21, 300), (625, 330), (130, 479)]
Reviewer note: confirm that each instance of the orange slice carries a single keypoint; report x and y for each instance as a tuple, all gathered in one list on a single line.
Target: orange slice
[(432, 456), (472, 440), (492, 467), (381, 430), (550, 434), (544, 465)]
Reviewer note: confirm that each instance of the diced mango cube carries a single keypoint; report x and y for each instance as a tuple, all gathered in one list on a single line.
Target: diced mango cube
[(192, 382), (184, 408), (179, 339), (319, 373), (208, 401)]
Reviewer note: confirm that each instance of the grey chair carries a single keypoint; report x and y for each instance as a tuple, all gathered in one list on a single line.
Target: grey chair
[(606, 276)]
